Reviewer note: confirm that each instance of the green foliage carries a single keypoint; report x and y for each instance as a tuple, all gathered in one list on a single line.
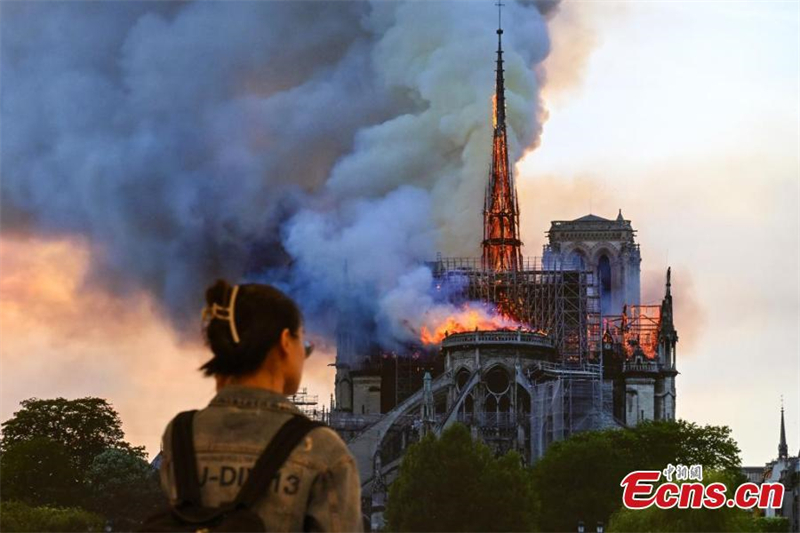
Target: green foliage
[(67, 453), (682, 442), (123, 488), (778, 524), (40, 472), (455, 484), (681, 520), (18, 516), (579, 478), (85, 426)]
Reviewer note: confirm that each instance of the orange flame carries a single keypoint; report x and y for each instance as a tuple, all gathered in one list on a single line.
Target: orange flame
[(469, 318)]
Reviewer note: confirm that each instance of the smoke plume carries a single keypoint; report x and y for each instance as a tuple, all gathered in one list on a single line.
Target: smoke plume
[(328, 147)]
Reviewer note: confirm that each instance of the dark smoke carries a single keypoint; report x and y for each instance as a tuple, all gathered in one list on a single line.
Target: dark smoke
[(303, 143)]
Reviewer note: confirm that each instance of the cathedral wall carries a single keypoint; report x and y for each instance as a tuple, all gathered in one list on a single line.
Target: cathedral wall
[(366, 394), (343, 390), (665, 398), (632, 276), (639, 400)]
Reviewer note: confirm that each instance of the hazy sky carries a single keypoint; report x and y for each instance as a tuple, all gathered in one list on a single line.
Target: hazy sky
[(683, 114), (686, 117)]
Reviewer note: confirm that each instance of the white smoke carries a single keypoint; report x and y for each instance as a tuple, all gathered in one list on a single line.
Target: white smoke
[(329, 147)]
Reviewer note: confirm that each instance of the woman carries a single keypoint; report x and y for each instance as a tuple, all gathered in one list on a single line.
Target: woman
[(256, 335)]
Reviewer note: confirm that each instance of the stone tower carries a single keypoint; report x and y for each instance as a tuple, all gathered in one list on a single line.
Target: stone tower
[(665, 394), (650, 392), (608, 248)]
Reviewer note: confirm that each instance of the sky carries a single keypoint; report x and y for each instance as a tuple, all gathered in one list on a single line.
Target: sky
[(686, 118), (683, 114)]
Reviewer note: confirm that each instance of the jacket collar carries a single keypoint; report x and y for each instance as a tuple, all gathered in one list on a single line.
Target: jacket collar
[(253, 398)]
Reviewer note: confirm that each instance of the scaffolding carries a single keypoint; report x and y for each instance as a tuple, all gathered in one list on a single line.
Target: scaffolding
[(637, 326), (566, 399), (308, 403), (559, 298), (402, 373)]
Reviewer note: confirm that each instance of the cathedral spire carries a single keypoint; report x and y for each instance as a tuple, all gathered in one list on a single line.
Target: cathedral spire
[(501, 244), (669, 281), (667, 336), (500, 89), (667, 325), (783, 449)]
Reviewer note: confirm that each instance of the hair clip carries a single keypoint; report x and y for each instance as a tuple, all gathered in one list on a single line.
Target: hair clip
[(224, 313)]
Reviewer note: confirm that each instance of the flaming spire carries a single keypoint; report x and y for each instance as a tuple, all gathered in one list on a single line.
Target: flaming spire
[(501, 243)]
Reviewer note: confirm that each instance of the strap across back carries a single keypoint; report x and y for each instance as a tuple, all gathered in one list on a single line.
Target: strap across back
[(265, 468), (186, 481)]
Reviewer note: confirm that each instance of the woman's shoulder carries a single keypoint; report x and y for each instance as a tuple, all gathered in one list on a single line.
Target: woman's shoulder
[(326, 446)]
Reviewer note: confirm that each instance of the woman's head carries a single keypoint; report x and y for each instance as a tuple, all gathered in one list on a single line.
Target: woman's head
[(260, 330)]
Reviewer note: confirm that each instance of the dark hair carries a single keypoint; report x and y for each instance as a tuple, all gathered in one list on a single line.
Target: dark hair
[(261, 313)]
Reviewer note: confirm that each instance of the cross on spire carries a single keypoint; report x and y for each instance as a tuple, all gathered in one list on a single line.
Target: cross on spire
[(499, 15)]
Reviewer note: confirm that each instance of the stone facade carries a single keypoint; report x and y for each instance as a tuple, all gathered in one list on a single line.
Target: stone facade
[(608, 248)]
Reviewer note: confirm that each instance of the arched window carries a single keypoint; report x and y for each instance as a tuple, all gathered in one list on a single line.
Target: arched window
[(604, 275), (491, 403), (462, 376), (469, 405), (504, 405), (523, 400), (578, 260)]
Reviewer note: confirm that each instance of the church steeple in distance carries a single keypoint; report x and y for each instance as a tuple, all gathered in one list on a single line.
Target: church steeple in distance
[(502, 248), (783, 449)]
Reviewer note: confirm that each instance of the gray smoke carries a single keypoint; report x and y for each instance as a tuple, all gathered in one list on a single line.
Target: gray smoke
[(328, 147)]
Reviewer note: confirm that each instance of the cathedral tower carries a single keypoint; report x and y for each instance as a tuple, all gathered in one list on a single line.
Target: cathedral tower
[(606, 247)]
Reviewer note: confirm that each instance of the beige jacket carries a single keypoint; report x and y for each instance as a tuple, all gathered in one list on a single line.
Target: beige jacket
[(317, 489)]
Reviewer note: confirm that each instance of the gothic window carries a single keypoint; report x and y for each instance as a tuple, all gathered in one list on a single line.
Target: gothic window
[(469, 405), (523, 400), (578, 260), (604, 273), (491, 403), (462, 376), (504, 405), (497, 380)]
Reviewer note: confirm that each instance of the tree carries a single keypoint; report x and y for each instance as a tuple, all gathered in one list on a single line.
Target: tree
[(777, 524), (73, 453), (124, 488), (85, 426), (455, 484), (40, 472), (579, 478), (18, 516), (682, 442)]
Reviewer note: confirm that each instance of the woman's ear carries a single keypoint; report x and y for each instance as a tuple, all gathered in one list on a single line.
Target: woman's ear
[(286, 342)]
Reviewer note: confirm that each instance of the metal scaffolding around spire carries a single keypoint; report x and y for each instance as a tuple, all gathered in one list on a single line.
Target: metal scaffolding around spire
[(502, 247)]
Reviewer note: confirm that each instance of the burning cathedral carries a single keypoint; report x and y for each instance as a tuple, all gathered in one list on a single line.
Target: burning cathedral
[(573, 350)]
